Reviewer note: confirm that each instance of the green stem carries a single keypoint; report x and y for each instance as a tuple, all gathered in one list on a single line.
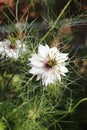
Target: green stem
[(17, 10), (61, 13), (78, 103)]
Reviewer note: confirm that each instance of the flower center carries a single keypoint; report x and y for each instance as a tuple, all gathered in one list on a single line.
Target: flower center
[(12, 42), (12, 46), (49, 64)]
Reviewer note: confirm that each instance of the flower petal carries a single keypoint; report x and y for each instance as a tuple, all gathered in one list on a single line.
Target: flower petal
[(35, 71), (63, 70), (43, 50)]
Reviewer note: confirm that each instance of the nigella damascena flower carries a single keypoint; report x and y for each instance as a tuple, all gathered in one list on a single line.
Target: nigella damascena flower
[(12, 50), (48, 64)]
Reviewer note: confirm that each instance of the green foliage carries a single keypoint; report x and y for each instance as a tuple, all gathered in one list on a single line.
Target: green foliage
[(2, 126)]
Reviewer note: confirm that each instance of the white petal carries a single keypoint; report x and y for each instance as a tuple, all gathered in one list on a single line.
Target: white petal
[(63, 69), (54, 50), (57, 77), (36, 61), (62, 57), (38, 77), (36, 57), (37, 64), (35, 71), (43, 50), (47, 78)]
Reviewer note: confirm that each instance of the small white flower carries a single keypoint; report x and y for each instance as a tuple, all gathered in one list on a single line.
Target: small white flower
[(12, 50), (48, 64)]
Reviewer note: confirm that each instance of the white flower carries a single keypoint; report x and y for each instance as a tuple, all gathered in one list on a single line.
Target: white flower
[(48, 64), (12, 50)]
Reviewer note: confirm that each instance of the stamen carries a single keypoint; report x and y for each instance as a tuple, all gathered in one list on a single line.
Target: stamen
[(12, 46), (49, 64)]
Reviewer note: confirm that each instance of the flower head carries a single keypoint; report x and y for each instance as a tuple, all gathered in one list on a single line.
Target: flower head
[(12, 50), (48, 64)]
